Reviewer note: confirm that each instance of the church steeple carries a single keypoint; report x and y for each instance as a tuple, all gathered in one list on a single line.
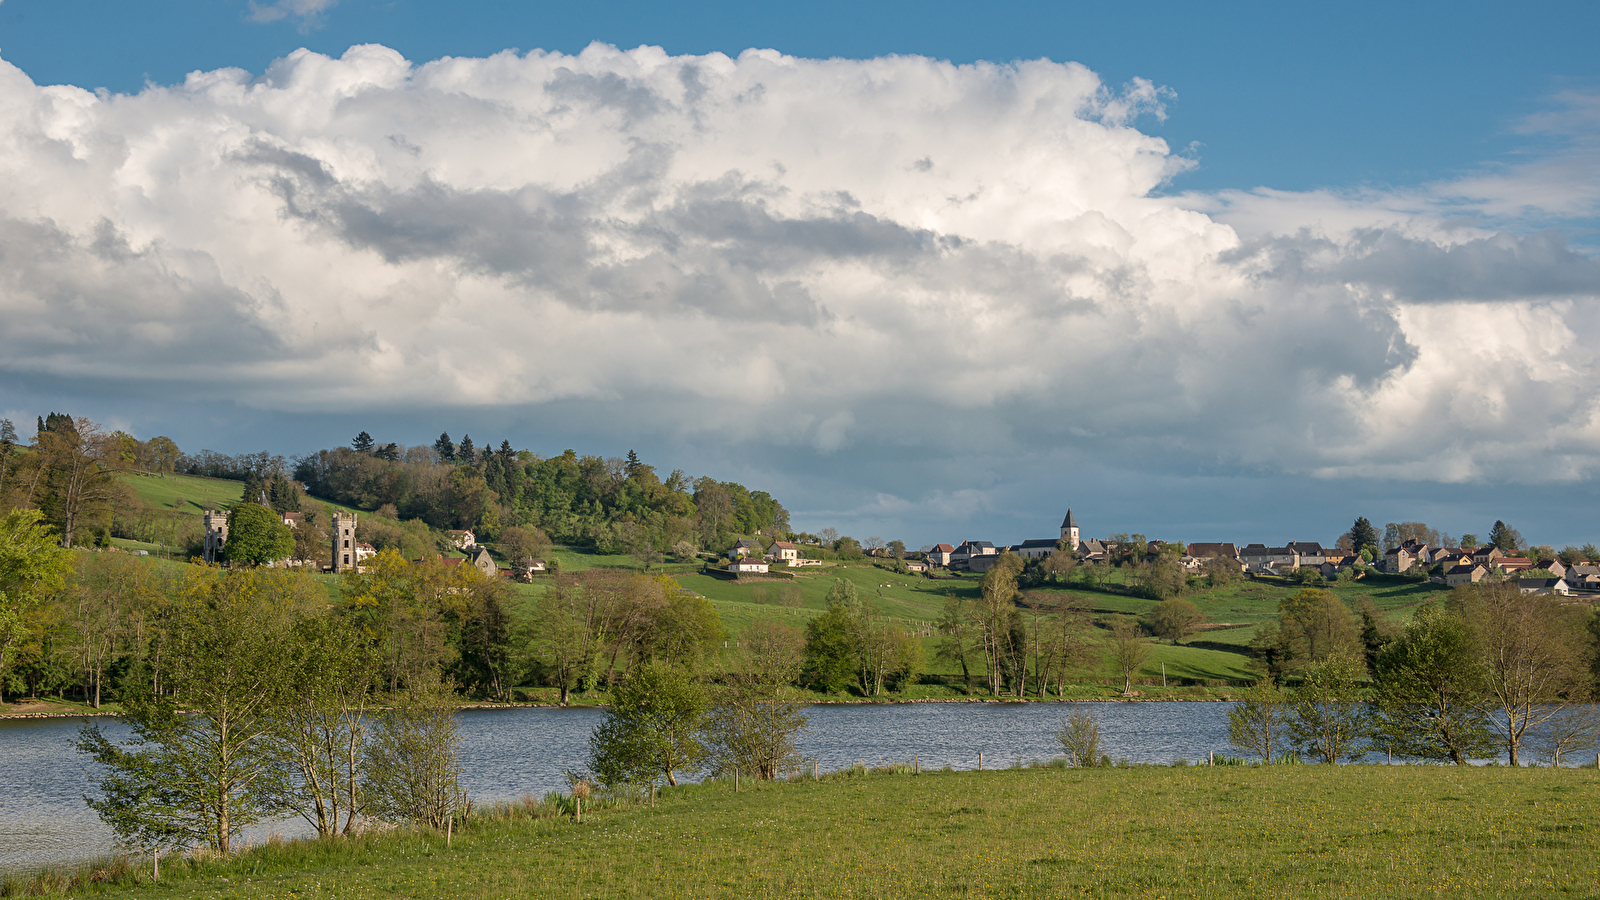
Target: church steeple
[(1069, 530)]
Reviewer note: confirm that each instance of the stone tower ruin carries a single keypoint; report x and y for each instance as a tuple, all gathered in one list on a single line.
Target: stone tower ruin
[(216, 534), (344, 541)]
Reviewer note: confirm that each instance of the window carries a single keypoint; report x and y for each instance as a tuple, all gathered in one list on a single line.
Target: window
[(347, 545)]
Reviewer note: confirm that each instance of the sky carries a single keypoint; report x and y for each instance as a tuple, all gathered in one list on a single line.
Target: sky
[(929, 271)]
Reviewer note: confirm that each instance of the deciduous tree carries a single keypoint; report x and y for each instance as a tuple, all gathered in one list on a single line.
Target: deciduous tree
[(652, 729), (1175, 619), (1129, 650), (257, 536), (31, 565), (1259, 722), (1429, 691), (1531, 654), (1326, 721), (201, 763), (413, 765)]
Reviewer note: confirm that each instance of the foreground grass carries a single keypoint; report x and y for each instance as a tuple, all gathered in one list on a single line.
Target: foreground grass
[(1229, 831)]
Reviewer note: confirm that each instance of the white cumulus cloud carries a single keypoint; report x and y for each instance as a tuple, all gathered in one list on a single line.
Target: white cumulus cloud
[(884, 256)]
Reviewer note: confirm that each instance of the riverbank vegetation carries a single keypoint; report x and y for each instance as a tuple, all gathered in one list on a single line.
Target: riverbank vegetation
[(1195, 831)]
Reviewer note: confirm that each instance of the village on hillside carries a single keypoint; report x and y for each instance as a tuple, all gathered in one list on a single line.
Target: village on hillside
[(1542, 572)]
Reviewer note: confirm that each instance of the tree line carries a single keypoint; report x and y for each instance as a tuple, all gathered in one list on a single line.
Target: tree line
[(1488, 670), (616, 505)]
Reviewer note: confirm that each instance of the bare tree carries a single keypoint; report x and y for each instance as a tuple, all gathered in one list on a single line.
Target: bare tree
[(1129, 650), (413, 767), (1532, 655), (76, 482), (1258, 723), (1079, 736)]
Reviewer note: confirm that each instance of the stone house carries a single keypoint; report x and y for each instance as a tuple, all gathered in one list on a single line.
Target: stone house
[(1484, 556), (1311, 553), (783, 551), (482, 561), (1470, 573), (939, 554), (962, 556), (1583, 577), (462, 540), (1258, 557), (745, 547)]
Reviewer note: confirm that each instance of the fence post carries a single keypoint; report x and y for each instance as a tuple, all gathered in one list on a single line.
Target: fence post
[(980, 760), (449, 829), (1213, 760), (816, 769), (916, 765), (736, 779)]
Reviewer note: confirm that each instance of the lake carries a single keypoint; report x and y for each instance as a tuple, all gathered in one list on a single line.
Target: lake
[(506, 753)]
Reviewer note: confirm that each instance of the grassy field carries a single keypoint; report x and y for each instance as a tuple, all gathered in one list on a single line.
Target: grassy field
[(193, 494), (1196, 832), (185, 493)]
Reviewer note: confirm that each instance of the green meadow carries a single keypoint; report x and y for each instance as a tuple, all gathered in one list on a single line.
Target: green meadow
[(1190, 832)]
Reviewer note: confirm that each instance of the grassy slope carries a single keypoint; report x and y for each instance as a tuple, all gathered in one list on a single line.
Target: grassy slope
[(185, 493), (1282, 831), (918, 601), (193, 494)]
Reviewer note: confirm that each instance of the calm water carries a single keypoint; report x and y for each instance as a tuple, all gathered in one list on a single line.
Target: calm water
[(508, 753)]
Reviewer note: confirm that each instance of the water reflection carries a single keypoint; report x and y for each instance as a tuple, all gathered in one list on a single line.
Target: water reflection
[(512, 752)]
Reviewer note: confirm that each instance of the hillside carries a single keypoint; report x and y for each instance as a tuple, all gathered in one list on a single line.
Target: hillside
[(187, 494)]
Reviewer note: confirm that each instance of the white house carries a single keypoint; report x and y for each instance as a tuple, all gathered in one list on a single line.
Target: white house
[(1543, 586), (783, 551), (748, 565)]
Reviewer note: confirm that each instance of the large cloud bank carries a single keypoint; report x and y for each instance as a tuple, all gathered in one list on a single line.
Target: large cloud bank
[(899, 253)]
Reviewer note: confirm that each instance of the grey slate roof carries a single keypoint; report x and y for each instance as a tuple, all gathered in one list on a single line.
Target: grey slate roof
[(1069, 521)]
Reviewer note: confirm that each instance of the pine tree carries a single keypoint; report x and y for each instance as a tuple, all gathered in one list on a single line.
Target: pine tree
[(1505, 537), (1363, 535), (362, 443), (465, 452), (447, 449)]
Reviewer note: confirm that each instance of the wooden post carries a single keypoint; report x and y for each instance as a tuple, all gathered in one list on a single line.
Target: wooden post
[(916, 765), (980, 760), (1213, 760), (155, 864), (449, 828), (815, 771), (1163, 674), (652, 795), (577, 802), (736, 780)]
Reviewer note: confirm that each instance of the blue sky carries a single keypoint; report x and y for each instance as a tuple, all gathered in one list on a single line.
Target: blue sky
[(1240, 274)]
